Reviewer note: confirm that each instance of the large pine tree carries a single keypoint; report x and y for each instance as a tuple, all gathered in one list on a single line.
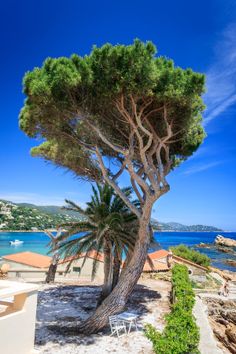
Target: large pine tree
[(120, 110)]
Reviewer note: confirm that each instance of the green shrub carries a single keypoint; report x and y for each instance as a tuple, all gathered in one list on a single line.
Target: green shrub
[(181, 334), (193, 256)]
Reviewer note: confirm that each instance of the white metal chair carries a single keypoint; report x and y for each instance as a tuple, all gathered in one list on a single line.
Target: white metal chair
[(130, 319), (117, 325)]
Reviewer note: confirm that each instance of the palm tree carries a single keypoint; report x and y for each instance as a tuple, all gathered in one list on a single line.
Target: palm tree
[(110, 228)]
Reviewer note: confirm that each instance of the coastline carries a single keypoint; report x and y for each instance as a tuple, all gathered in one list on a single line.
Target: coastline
[(155, 230), (37, 241), (30, 231)]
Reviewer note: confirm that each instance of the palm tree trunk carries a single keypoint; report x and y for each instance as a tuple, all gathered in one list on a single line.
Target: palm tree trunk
[(116, 301), (107, 284), (50, 277), (116, 268)]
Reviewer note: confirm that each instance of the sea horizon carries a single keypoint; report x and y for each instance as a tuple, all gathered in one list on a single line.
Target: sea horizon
[(37, 241)]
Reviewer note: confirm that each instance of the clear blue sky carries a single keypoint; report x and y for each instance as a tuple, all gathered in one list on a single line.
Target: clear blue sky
[(201, 35)]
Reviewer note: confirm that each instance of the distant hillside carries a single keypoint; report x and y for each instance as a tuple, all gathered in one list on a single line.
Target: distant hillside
[(25, 216), (49, 209), (174, 226), (30, 217)]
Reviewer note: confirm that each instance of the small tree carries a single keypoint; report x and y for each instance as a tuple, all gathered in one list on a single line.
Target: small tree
[(120, 110), (110, 228), (192, 255)]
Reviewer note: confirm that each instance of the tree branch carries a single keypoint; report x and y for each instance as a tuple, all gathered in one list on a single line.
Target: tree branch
[(137, 191), (115, 186), (104, 139)]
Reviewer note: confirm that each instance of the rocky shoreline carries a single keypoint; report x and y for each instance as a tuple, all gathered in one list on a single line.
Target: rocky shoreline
[(222, 316), (224, 245), (225, 241)]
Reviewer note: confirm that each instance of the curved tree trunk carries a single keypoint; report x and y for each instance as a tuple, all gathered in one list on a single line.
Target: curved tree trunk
[(116, 268), (50, 278), (107, 284), (116, 301)]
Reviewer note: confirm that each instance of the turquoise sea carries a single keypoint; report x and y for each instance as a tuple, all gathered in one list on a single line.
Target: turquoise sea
[(38, 241)]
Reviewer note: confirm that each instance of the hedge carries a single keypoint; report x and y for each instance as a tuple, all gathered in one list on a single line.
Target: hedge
[(181, 334), (192, 255)]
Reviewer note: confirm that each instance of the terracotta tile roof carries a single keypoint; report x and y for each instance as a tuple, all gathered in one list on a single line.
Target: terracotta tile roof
[(100, 257), (158, 266), (29, 258), (154, 256), (91, 255), (158, 254), (186, 261)]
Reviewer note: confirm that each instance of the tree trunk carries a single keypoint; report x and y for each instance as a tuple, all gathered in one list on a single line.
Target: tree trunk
[(50, 278), (116, 301), (107, 284), (116, 268)]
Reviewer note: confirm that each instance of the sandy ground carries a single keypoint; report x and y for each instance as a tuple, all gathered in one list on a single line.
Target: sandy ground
[(62, 307)]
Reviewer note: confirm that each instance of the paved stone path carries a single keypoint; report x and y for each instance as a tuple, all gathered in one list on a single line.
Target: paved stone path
[(220, 297), (207, 343)]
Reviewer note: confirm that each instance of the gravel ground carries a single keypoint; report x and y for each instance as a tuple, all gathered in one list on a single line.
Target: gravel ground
[(62, 307)]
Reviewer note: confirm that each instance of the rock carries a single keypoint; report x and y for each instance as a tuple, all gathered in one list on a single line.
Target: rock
[(225, 241), (225, 249), (231, 262), (204, 245), (222, 315), (231, 333)]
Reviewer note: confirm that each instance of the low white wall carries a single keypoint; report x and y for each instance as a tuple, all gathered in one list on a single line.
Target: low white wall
[(17, 321)]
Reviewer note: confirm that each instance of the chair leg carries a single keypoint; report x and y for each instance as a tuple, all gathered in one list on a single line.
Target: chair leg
[(130, 325)]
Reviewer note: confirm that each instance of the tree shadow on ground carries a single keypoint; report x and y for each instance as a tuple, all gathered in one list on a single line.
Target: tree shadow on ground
[(61, 309)]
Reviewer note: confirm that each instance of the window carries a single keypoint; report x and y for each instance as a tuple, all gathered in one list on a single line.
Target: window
[(76, 269)]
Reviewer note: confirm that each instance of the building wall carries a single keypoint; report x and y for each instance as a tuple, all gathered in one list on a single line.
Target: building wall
[(194, 270), (18, 270), (86, 271), (15, 265), (23, 271)]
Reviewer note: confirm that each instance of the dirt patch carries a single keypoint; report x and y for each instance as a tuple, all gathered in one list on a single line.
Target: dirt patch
[(62, 307)]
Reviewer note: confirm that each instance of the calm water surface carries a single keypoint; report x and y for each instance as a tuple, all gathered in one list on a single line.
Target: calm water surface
[(38, 241)]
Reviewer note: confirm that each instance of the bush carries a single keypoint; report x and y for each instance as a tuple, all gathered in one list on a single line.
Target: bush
[(194, 256), (181, 334)]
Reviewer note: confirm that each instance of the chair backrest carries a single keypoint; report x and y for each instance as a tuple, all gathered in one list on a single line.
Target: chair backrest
[(113, 319), (5, 268)]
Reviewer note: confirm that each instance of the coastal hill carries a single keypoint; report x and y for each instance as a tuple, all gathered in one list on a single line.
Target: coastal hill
[(24, 216), (17, 217), (174, 226), (49, 209)]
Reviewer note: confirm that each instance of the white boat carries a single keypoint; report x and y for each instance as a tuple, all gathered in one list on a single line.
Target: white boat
[(16, 242)]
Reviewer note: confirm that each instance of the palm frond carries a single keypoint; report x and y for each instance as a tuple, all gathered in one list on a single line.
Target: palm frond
[(72, 206)]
